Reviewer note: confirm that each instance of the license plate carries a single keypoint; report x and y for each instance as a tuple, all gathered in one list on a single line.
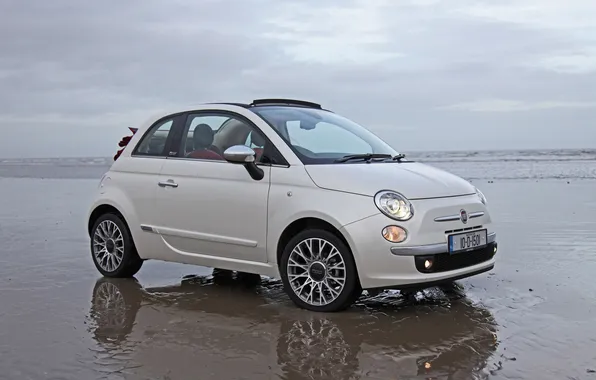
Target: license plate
[(467, 241)]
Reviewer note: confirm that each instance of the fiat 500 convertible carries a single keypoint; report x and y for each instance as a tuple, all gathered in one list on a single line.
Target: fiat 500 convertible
[(285, 188)]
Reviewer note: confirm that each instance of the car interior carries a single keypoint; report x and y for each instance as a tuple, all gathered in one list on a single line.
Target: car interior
[(204, 143)]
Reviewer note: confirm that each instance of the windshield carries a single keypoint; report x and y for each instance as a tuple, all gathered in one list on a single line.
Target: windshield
[(321, 137)]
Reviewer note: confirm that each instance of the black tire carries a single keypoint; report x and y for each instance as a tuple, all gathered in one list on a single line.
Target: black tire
[(351, 289), (131, 262)]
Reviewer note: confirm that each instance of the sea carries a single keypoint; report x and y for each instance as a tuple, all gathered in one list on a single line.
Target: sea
[(489, 165)]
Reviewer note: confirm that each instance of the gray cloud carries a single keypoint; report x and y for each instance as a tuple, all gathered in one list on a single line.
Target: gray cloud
[(452, 70)]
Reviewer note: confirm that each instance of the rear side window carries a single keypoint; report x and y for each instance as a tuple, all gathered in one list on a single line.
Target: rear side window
[(154, 141)]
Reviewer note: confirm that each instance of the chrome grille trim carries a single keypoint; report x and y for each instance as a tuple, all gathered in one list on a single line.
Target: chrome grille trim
[(452, 218), (449, 218)]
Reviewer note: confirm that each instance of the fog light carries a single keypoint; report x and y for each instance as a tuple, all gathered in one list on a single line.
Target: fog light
[(394, 234), (428, 264)]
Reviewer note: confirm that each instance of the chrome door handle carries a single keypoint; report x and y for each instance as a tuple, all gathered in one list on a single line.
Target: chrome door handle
[(168, 183)]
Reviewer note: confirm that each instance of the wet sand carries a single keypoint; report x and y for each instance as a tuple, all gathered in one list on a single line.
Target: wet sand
[(530, 318)]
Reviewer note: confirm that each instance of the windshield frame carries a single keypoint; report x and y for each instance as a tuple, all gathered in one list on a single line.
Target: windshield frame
[(378, 145)]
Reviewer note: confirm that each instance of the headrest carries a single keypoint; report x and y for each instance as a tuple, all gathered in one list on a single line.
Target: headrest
[(202, 136)]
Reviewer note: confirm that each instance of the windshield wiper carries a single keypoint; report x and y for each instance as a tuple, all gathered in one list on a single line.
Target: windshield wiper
[(367, 156), (398, 157)]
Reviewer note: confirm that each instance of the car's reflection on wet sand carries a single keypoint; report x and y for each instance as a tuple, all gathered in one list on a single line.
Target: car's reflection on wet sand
[(224, 327)]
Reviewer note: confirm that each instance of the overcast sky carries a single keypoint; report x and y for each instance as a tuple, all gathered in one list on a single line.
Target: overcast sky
[(423, 74)]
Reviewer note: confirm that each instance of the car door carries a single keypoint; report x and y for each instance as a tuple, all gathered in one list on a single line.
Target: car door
[(131, 183), (136, 174), (208, 207)]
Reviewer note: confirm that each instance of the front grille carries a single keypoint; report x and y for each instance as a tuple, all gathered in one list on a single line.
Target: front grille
[(463, 229), (445, 262)]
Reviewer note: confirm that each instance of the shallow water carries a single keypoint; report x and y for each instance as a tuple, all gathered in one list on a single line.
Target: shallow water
[(530, 318)]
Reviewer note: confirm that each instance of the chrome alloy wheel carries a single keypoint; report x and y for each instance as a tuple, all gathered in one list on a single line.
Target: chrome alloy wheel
[(108, 245), (316, 271)]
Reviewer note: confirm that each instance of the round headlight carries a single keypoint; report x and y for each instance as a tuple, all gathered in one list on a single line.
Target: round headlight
[(394, 205), (481, 196)]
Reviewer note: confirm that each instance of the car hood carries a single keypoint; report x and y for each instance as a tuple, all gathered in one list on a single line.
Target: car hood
[(413, 180)]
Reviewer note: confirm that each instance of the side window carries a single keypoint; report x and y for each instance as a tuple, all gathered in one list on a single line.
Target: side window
[(207, 135), (199, 123), (154, 142)]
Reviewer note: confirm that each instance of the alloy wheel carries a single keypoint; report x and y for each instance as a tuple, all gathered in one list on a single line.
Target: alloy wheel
[(316, 271), (108, 246)]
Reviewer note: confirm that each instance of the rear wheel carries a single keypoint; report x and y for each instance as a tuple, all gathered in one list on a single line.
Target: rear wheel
[(112, 248), (318, 272)]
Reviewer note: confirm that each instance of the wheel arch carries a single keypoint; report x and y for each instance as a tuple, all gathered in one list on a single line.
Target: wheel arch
[(302, 224), (100, 210)]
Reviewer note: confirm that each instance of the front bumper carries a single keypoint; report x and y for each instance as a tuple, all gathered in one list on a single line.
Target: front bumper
[(432, 249), (386, 265)]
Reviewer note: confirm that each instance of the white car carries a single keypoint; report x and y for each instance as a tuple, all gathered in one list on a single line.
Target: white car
[(284, 188)]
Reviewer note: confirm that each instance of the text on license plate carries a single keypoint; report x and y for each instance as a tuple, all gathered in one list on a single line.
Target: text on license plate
[(467, 241)]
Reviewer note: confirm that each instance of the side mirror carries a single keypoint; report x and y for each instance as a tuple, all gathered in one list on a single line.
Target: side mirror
[(241, 154)]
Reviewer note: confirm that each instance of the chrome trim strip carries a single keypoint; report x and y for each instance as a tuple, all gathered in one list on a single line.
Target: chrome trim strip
[(164, 231), (205, 160), (224, 161), (449, 218), (419, 250), (440, 197), (452, 218)]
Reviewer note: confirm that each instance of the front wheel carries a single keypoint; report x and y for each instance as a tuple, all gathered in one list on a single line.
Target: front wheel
[(112, 248), (318, 272)]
